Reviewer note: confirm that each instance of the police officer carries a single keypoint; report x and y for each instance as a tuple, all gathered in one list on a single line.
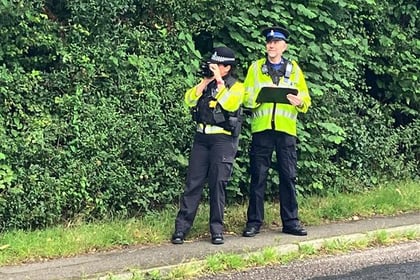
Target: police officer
[(215, 104), (273, 128)]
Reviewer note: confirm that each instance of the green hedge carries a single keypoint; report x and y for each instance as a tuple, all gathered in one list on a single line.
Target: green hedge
[(92, 116)]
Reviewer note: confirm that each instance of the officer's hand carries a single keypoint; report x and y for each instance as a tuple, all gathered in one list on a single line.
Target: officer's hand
[(216, 71), (295, 100), (205, 81), (202, 85), (212, 103)]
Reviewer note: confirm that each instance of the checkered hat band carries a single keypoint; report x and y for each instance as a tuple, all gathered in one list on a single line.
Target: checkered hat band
[(218, 58), (276, 34)]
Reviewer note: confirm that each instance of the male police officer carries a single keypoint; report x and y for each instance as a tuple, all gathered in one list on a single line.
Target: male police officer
[(273, 127), (215, 103)]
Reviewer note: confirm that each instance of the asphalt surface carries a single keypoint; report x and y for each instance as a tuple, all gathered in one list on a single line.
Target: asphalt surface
[(167, 256), (399, 261)]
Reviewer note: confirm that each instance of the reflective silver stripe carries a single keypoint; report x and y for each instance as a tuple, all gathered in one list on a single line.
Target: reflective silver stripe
[(286, 114), (220, 58), (211, 129), (296, 79), (258, 85), (279, 112), (225, 96), (256, 69), (223, 99), (248, 88), (255, 85), (262, 113)]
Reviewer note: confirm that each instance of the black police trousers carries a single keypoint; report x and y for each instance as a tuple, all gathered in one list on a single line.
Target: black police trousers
[(262, 146), (211, 161)]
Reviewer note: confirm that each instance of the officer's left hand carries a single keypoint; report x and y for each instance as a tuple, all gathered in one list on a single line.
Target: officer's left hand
[(295, 100)]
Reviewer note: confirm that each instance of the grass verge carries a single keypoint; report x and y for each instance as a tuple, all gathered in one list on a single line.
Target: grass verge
[(20, 246), (220, 263)]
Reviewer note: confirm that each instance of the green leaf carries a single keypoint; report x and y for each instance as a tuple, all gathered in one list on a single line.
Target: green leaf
[(305, 11)]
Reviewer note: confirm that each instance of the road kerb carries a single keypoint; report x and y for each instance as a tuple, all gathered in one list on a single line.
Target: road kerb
[(282, 249)]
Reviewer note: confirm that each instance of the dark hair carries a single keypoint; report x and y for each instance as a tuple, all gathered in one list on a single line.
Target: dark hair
[(231, 71)]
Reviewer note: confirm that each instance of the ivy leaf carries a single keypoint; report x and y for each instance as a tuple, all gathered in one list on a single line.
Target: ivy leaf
[(305, 11)]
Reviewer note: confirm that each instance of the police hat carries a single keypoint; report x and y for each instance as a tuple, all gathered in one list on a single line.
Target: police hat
[(275, 33), (223, 55)]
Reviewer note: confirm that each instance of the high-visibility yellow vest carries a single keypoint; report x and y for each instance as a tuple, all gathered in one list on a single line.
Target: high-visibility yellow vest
[(229, 98), (275, 116)]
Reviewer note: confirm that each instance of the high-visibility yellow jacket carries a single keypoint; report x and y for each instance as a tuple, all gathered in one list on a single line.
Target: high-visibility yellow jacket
[(230, 99), (275, 116)]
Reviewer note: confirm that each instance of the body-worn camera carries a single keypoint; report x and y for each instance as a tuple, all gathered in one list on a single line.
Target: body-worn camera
[(205, 70)]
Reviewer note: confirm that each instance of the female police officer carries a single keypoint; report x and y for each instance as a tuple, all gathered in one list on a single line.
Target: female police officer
[(215, 103)]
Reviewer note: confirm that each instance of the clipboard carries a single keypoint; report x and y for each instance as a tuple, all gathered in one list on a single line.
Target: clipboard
[(275, 94)]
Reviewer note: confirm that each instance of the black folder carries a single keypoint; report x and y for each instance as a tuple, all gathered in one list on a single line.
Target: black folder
[(275, 94)]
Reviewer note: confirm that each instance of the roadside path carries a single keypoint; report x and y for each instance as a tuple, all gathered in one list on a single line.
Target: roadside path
[(166, 256)]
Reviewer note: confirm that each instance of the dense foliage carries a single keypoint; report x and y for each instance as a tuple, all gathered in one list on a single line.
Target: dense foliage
[(91, 98)]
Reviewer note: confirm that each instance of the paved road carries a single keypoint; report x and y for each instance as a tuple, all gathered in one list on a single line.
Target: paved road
[(398, 262), (167, 256)]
